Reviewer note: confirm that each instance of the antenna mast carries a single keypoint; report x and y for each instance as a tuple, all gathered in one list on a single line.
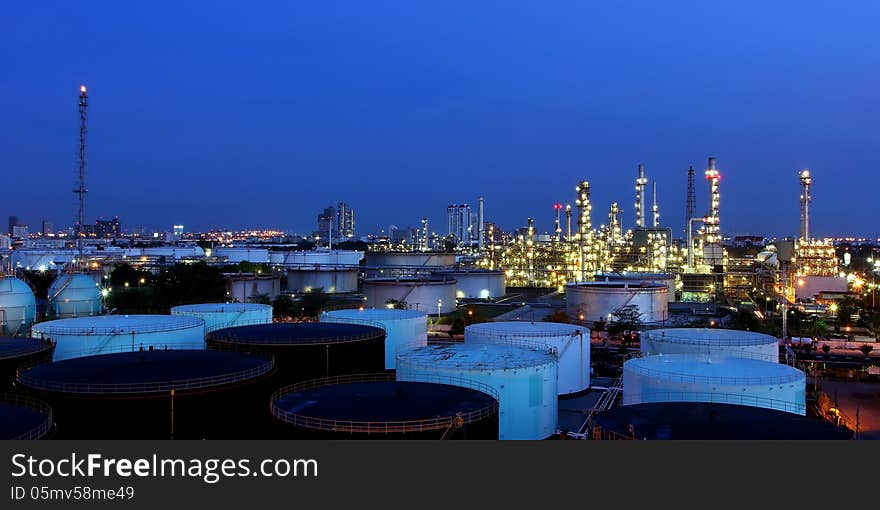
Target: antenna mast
[(81, 190)]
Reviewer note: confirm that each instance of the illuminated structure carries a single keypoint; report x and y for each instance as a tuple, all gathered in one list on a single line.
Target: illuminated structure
[(81, 189), (806, 183), (712, 252), (641, 181)]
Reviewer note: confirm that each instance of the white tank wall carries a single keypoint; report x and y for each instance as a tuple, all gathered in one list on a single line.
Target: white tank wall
[(689, 378), (528, 402), (226, 315), (330, 280), (18, 306), (571, 342), (419, 295), (323, 257), (235, 255), (636, 277), (74, 295), (714, 342), (478, 284), (85, 336), (244, 288), (390, 259), (596, 300), (404, 329)]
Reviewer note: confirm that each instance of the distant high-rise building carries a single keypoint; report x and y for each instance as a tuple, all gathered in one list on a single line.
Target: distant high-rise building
[(13, 222), (20, 232), (326, 221), (108, 229), (345, 221), (48, 228)]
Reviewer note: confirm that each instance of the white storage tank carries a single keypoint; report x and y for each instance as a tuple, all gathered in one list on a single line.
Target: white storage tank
[(245, 286), (18, 306), (639, 276), (711, 342), (477, 283), (404, 329), (324, 257), (699, 378), (571, 342), (86, 336), (409, 259), (331, 279), (591, 301), (432, 295), (524, 377), (226, 315), (234, 254), (74, 295)]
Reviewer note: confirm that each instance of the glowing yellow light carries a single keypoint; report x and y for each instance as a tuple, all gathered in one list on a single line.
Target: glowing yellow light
[(82, 89)]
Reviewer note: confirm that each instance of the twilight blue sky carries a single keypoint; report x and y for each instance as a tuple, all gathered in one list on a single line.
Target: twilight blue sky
[(246, 114)]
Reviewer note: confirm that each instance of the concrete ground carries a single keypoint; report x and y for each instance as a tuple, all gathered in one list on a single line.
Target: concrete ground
[(863, 397)]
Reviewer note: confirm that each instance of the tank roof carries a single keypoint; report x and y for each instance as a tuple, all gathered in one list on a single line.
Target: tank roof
[(703, 336), (527, 329), (14, 347), (477, 357), (297, 333), (379, 403), (220, 307), (411, 280), (635, 284), (636, 275), (23, 417), (376, 314), (117, 324), (718, 370), (144, 372), (13, 285), (703, 420)]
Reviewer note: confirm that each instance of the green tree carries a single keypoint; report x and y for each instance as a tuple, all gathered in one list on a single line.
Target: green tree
[(627, 318), (457, 327), (283, 306), (558, 316), (262, 299), (123, 274), (313, 303), (874, 324), (826, 348), (866, 349)]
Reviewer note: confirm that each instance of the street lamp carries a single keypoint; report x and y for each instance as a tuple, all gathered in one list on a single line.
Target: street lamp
[(439, 305)]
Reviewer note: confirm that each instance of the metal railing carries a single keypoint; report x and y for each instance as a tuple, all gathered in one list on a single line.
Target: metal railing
[(718, 379), (30, 403), (381, 426), (140, 347), (150, 387), (433, 359), (713, 337), (38, 347), (45, 330), (715, 398)]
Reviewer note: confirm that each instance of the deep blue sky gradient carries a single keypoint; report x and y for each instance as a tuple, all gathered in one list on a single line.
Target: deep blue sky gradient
[(239, 114)]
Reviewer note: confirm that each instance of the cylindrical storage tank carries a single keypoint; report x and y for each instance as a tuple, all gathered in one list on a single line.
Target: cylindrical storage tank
[(323, 257), (16, 353), (376, 406), (173, 394), (309, 350), (409, 259), (18, 306), (24, 418), (330, 279), (524, 377), (86, 336), (234, 255), (74, 295), (639, 277), (431, 295), (591, 301), (404, 329), (694, 378), (226, 315), (710, 342), (477, 283), (701, 421), (571, 342)]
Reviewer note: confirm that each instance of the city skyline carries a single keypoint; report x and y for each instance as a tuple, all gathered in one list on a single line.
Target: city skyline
[(214, 123)]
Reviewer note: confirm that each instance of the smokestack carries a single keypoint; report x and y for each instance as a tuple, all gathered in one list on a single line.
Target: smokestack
[(806, 198), (655, 208), (480, 220), (641, 181)]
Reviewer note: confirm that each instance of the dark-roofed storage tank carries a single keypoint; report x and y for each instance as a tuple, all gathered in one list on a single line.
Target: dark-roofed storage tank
[(18, 353), (375, 406), (23, 417), (309, 350), (159, 394)]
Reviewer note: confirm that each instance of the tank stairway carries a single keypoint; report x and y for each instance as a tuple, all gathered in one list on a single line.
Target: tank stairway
[(606, 401)]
